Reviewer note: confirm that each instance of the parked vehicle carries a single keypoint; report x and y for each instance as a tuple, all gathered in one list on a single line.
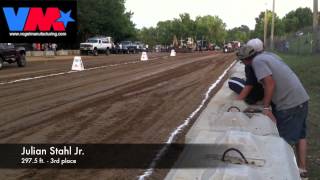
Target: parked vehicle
[(10, 54), (231, 46), (202, 45), (140, 46), (97, 45), (128, 47), (116, 49)]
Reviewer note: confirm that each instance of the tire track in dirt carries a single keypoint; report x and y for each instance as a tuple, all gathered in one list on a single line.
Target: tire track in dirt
[(45, 113), (15, 89), (143, 106)]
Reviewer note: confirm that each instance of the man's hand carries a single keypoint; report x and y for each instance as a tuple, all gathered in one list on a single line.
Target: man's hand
[(245, 92), (268, 113)]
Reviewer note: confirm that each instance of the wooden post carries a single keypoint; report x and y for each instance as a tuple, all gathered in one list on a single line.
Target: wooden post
[(272, 27), (316, 30)]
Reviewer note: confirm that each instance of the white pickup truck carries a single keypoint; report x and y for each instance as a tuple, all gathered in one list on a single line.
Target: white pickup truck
[(97, 45)]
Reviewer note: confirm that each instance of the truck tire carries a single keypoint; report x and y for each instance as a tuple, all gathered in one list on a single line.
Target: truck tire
[(1, 63), (21, 61), (108, 52), (95, 52)]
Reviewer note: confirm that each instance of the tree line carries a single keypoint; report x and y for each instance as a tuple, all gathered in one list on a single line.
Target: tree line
[(210, 28), (105, 17), (109, 17)]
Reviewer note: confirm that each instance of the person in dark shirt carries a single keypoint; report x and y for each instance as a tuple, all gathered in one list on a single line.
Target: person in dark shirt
[(249, 90)]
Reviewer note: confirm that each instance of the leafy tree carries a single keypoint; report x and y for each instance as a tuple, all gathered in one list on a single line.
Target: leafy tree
[(187, 26), (165, 32), (105, 17), (297, 19), (241, 34), (212, 28), (259, 27), (148, 35)]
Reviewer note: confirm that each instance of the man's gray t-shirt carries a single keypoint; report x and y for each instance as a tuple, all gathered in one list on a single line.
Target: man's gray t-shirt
[(289, 91)]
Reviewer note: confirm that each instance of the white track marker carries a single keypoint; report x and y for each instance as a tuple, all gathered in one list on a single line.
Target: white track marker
[(77, 64), (69, 72), (144, 56), (63, 73), (173, 53), (163, 150)]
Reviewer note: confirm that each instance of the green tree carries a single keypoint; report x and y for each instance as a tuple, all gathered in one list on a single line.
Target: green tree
[(212, 28), (297, 19), (181, 27), (101, 17), (165, 32), (187, 26), (259, 27), (241, 34), (148, 36)]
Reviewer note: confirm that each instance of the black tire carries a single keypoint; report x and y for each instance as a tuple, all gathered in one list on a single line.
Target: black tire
[(107, 52), (95, 52), (1, 63), (21, 61)]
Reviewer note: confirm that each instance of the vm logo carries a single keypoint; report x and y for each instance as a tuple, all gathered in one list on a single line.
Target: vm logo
[(31, 19)]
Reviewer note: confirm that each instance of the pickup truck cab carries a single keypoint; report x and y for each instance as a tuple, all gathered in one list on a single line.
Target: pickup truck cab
[(97, 45), (10, 54)]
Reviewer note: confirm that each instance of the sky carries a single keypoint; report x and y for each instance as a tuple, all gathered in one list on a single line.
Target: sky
[(147, 13)]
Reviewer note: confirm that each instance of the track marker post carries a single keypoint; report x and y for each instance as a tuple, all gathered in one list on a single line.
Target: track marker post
[(173, 53), (144, 56), (77, 64)]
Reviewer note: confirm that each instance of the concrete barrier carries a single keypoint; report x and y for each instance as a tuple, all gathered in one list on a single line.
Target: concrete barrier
[(74, 52), (255, 123), (28, 53), (49, 53), (62, 53), (237, 71), (52, 53), (268, 157), (37, 53), (254, 135)]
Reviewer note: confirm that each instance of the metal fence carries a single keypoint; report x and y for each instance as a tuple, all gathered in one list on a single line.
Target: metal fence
[(300, 42)]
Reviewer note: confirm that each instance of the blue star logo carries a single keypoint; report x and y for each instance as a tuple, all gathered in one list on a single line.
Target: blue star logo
[(65, 18)]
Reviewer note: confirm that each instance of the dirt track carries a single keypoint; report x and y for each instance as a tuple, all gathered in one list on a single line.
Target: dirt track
[(138, 102)]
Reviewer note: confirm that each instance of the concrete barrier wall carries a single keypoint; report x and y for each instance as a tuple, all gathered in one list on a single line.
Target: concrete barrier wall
[(37, 53), (52, 53), (253, 134)]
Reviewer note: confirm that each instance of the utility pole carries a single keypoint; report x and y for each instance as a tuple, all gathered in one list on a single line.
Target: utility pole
[(316, 29), (265, 31), (272, 26)]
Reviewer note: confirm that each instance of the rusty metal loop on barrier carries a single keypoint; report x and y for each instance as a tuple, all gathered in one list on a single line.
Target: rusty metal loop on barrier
[(233, 107), (236, 150)]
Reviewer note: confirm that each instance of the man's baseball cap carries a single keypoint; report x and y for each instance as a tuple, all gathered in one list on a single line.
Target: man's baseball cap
[(257, 44), (246, 52)]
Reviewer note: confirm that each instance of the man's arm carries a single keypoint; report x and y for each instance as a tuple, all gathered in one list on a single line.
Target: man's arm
[(269, 86), (245, 92)]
